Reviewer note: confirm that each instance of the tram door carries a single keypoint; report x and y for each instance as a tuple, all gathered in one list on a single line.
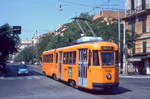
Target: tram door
[(82, 71), (60, 64)]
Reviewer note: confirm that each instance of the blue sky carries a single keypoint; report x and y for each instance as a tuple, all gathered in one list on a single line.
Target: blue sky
[(44, 15)]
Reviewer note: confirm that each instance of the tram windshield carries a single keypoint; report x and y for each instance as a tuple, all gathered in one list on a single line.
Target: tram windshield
[(107, 58)]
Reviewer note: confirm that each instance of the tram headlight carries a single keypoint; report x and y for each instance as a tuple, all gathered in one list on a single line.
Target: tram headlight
[(108, 76)]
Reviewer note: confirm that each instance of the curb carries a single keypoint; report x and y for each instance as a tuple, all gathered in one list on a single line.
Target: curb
[(134, 77)]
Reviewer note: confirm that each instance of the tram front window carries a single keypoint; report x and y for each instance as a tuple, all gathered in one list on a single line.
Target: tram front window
[(107, 58)]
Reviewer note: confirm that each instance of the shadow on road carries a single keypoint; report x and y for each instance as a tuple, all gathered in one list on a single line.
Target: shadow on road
[(12, 71), (35, 73), (119, 90)]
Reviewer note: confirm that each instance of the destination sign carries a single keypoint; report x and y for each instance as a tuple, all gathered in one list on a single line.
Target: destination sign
[(106, 48)]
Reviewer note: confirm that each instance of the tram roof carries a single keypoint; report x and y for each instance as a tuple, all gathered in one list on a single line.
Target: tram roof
[(90, 45)]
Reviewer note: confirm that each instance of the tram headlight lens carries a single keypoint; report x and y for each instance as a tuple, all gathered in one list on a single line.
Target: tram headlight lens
[(108, 76)]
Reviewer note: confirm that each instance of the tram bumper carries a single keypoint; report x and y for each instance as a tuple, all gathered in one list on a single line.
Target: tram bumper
[(101, 86)]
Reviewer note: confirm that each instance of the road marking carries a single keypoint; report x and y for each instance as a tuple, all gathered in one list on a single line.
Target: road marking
[(21, 78), (135, 77)]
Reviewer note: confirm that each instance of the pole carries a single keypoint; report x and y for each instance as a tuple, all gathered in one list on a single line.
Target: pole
[(119, 51), (124, 49), (32, 50)]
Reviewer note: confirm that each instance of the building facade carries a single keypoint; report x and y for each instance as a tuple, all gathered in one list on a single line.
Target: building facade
[(109, 16), (25, 43), (137, 21)]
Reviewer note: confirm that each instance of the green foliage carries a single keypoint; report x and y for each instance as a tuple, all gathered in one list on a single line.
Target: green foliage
[(27, 55), (43, 42), (9, 42), (99, 26), (131, 38), (109, 32), (56, 41)]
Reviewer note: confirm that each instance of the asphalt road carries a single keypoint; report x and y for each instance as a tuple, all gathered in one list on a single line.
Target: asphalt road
[(37, 86)]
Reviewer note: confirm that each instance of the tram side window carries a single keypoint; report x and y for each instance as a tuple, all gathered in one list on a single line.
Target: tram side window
[(95, 58), (48, 58), (56, 57), (89, 61), (74, 57), (45, 59), (51, 58), (69, 58), (64, 58)]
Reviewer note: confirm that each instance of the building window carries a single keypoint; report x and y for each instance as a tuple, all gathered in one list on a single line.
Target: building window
[(133, 48), (143, 4), (133, 27), (131, 23), (132, 4), (144, 47), (148, 25), (144, 25)]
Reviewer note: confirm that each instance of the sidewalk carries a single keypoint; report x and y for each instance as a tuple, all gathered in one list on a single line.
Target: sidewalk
[(135, 76)]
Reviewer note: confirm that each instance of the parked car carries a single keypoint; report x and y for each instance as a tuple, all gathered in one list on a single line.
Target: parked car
[(22, 70)]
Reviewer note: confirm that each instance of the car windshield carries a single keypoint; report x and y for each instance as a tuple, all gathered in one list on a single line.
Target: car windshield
[(107, 58), (22, 66)]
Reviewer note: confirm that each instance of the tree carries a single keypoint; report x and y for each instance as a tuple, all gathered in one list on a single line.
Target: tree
[(109, 32), (100, 27), (27, 55), (9, 41)]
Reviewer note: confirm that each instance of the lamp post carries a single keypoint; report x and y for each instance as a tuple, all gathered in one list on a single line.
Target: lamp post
[(119, 43), (124, 49)]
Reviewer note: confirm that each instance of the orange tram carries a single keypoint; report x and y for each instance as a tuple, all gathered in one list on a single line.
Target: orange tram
[(91, 65)]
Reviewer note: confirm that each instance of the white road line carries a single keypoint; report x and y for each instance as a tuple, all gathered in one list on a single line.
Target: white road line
[(21, 78), (135, 77), (2, 78)]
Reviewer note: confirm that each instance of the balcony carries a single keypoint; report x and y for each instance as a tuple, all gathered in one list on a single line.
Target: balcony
[(138, 10)]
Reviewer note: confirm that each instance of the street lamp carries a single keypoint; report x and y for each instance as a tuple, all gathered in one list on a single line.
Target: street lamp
[(124, 47)]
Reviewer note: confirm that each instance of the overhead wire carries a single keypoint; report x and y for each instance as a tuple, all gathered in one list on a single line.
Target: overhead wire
[(101, 6)]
